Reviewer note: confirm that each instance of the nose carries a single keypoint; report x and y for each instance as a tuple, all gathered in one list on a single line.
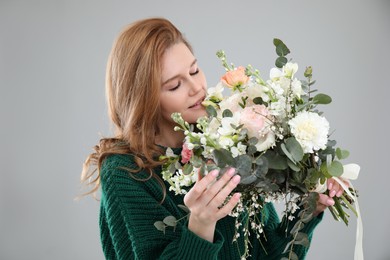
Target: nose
[(195, 86)]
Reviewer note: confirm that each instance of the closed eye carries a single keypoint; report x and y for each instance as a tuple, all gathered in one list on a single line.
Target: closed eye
[(176, 87), (195, 72)]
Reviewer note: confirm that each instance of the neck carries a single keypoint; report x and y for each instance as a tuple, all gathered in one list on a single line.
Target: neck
[(170, 138)]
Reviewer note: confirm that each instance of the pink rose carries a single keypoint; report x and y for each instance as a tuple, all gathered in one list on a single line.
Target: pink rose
[(235, 78), (185, 154), (254, 118)]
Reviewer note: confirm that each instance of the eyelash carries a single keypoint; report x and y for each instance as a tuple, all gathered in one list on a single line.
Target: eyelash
[(178, 85)]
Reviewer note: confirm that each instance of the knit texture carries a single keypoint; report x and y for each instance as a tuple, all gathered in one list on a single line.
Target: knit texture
[(130, 207)]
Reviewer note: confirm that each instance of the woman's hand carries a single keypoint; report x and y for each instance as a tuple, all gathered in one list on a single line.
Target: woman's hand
[(206, 201), (324, 201)]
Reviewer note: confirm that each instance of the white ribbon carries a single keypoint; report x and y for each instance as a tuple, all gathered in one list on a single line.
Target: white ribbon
[(351, 172)]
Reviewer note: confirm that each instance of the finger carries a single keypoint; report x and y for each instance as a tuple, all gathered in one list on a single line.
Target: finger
[(334, 190), (218, 185), (228, 207), (221, 196), (200, 186), (325, 200)]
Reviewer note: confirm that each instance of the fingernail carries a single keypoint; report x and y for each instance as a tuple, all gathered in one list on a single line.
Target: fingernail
[(332, 193), (214, 173), (330, 202), (236, 179), (231, 172), (330, 186)]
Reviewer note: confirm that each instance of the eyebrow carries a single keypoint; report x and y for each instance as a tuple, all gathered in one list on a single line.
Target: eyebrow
[(172, 78)]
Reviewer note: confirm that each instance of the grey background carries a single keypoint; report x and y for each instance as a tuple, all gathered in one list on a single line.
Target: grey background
[(52, 105)]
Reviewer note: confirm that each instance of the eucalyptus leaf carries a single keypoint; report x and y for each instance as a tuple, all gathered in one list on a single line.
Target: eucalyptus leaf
[(322, 99), (170, 221), (258, 101), (187, 169), (248, 180), (253, 141), (341, 154), (243, 165), (280, 62), (223, 157), (261, 166), (227, 113), (211, 111), (184, 208), (294, 148), (276, 161), (251, 150), (335, 169), (298, 226), (281, 48), (293, 166), (302, 239), (160, 226)]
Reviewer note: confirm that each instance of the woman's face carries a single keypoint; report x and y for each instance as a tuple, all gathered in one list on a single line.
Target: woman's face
[(183, 85)]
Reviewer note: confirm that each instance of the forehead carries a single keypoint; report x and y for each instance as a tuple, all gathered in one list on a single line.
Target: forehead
[(176, 59)]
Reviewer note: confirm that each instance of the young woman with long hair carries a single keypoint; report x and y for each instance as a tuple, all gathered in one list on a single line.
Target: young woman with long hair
[(151, 73)]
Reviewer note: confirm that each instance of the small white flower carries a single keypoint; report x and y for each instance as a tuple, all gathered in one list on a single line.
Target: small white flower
[(310, 130), (290, 69), (216, 92)]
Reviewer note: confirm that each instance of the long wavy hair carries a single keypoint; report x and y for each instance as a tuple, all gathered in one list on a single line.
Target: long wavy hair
[(133, 83)]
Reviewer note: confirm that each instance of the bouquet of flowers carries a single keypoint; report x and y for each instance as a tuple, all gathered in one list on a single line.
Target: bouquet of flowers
[(271, 132)]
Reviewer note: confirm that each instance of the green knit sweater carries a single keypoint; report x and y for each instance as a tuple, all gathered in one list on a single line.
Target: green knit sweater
[(129, 209)]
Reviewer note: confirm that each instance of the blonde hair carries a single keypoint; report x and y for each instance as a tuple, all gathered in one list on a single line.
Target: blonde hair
[(133, 83)]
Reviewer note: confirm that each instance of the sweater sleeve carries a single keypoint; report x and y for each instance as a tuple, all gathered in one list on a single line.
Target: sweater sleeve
[(129, 209), (277, 235)]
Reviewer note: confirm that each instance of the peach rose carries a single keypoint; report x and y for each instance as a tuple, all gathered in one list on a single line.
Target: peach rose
[(235, 78)]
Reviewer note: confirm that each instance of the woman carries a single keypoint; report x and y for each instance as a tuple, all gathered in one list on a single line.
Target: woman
[(152, 73)]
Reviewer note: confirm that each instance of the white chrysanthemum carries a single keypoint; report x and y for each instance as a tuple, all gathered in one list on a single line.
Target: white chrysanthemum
[(311, 131)]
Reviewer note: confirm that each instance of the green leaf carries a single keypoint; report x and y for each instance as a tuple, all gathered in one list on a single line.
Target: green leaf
[(281, 48), (341, 154), (160, 226), (275, 161), (227, 113), (308, 72), (292, 149), (184, 208), (302, 239), (243, 165), (252, 149), (298, 226), (211, 111), (261, 166), (258, 101), (322, 99), (280, 62), (293, 166), (223, 157), (187, 168), (170, 221), (335, 169), (248, 179), (293, 256)]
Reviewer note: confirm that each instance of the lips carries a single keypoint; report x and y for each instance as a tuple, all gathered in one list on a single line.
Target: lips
[(198, 103)]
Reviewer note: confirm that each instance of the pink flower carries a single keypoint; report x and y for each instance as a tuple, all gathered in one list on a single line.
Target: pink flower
[(185, 154), (235, 78), (254, 118), (257, 120)]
